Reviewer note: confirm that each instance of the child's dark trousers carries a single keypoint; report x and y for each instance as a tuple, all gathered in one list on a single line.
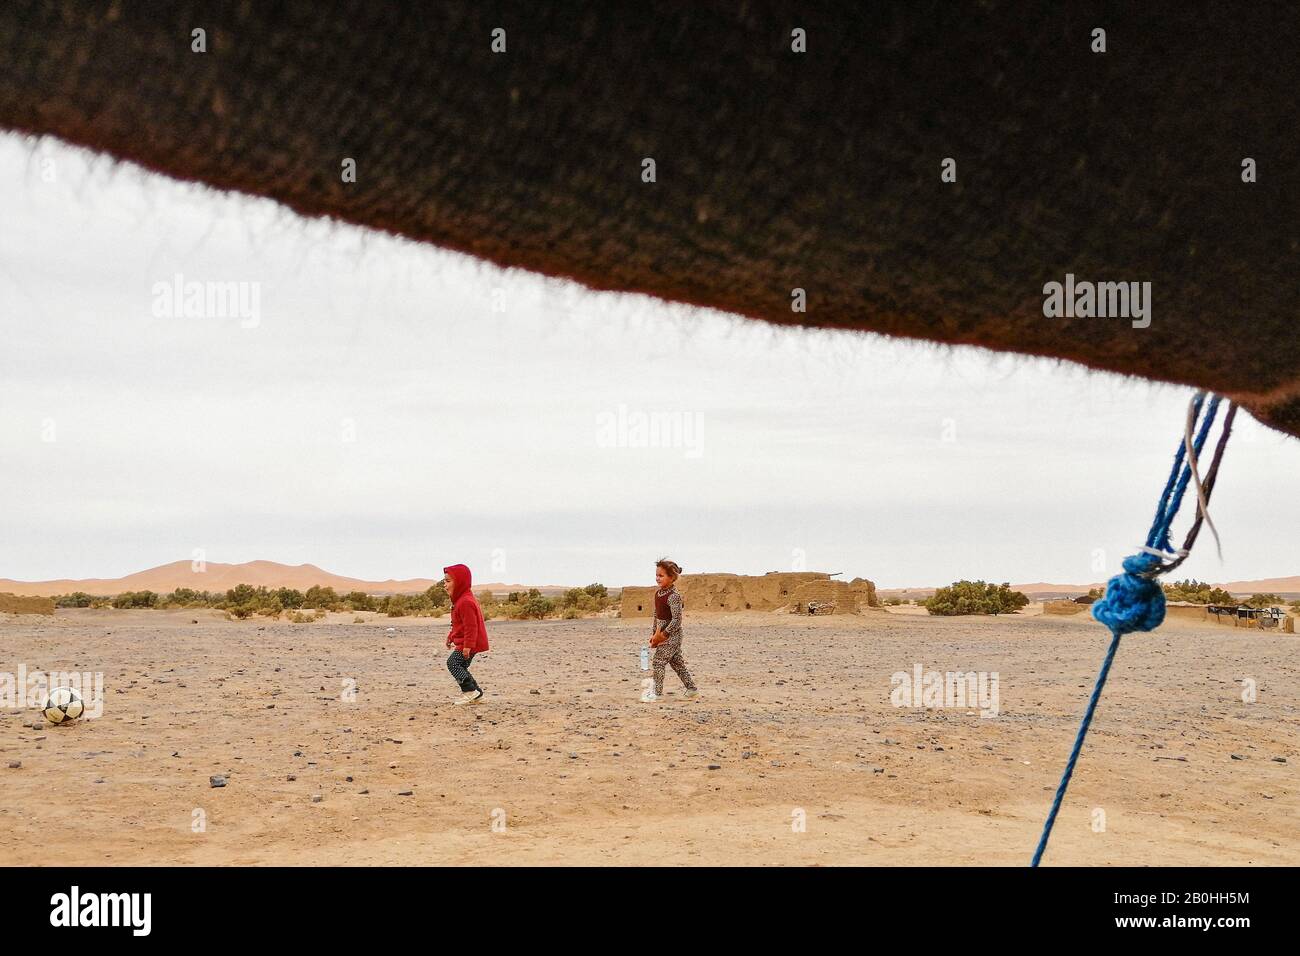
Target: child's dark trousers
[(458, 664)]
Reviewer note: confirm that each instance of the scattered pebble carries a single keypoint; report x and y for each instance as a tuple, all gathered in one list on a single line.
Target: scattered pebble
[(216, 781)]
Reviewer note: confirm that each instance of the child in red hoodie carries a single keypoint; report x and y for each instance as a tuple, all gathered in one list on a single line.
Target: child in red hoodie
[(468, 632)]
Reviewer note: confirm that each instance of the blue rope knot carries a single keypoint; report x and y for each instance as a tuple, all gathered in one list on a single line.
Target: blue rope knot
[(1134, 600)]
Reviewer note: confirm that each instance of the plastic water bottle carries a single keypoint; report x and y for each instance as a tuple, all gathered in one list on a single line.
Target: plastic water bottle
[(645, 658)]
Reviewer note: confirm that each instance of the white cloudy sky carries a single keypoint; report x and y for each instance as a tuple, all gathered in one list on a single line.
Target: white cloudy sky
[(479, 405)]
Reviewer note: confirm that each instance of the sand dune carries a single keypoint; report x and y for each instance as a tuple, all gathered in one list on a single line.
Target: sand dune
[(214, 576), (1289, 585)]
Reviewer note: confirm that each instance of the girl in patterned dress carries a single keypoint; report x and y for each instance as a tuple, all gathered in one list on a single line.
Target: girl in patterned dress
[(667, 637)]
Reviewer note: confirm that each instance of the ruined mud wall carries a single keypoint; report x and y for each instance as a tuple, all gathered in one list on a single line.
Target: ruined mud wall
[(757, 592), (12, 604)]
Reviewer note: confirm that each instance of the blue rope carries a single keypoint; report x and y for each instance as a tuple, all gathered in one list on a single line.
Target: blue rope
[(1134, 600), (1078, 746)]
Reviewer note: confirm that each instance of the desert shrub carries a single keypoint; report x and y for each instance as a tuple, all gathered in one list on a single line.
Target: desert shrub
[(136, 599), (535, 608), (398, 605), (75, 599), (1197, 592), (290, 597), (241, 594), (975, 597), (424, 604), (360, 601), (242, 611), (1265, 600), (297, 617), (320, 598), (588, 600), (184, 597)]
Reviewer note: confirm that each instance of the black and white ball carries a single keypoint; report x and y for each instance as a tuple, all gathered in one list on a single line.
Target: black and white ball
[(63, 705)]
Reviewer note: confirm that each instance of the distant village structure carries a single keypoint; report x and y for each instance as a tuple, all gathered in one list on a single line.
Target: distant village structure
[(791, 591), (1235, 616)]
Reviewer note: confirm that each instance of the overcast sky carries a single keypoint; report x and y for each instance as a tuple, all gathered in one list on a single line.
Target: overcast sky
[(389, 408)]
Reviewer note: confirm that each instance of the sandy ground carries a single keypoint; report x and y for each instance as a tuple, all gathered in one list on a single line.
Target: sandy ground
[(564, 763)]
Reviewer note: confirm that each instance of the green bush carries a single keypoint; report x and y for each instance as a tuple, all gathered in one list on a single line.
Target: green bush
[(136, 599), (321, 599), (360, 601), (1197, 592), (535, 608), (183, 597), (975, 597), (242, 594)]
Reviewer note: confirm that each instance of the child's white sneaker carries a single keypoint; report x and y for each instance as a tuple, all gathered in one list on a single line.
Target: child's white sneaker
[(650, 698), (690, 692), (469, 697)]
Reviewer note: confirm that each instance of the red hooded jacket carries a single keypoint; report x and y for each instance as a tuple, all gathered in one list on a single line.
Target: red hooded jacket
[(468, 632)]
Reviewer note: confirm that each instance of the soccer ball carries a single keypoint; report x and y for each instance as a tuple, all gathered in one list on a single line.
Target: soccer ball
[(63, 705)]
